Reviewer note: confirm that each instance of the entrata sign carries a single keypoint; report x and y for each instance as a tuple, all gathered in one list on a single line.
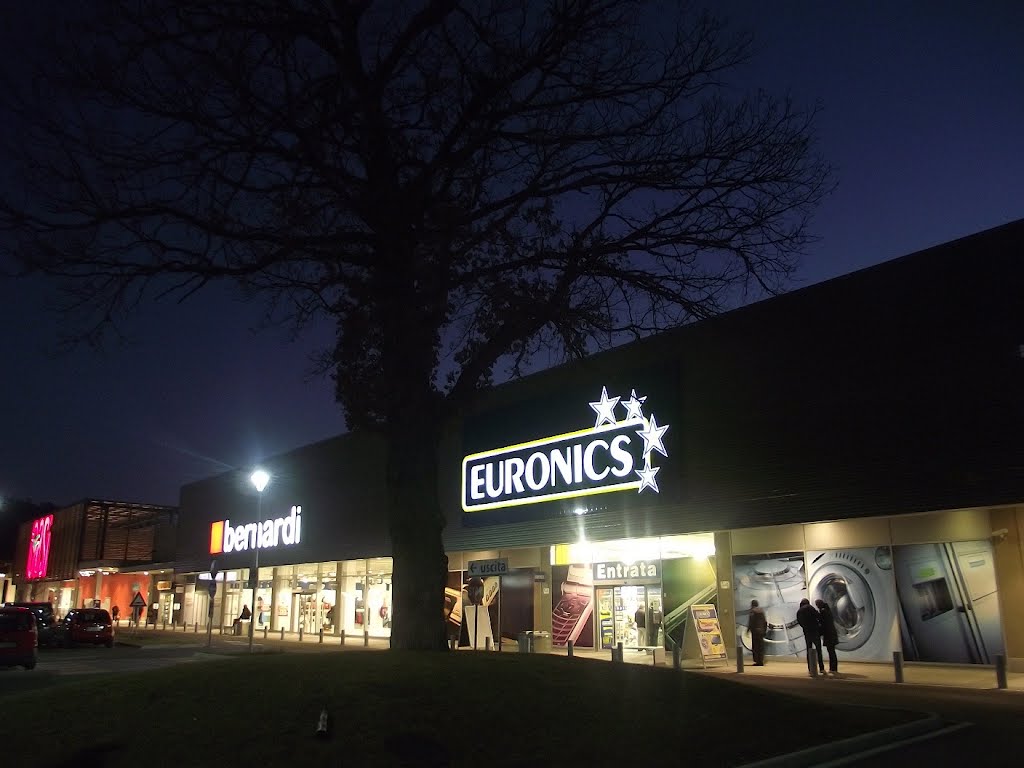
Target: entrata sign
[(611, 456), (618, 571), (281, 531)]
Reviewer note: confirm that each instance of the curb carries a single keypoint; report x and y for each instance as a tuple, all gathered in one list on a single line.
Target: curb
[(855, 747)]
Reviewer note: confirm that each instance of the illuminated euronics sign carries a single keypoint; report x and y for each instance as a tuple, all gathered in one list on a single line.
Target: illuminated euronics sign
[(39, 548), (280, 531), (611, 456)]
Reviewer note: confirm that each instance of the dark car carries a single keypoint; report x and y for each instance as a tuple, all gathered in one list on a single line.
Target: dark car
[(45, 619), (85, 625), (18, 637)]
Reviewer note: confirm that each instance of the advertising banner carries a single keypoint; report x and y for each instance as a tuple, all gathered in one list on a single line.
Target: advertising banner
[(709, 633)]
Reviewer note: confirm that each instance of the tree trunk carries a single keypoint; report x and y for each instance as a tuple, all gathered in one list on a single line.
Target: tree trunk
[(416, 522)]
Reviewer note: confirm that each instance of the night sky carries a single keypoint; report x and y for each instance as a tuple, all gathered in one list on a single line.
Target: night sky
[(922, 119)]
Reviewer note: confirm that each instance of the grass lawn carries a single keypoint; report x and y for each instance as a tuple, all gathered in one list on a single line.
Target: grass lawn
[(397, 709)]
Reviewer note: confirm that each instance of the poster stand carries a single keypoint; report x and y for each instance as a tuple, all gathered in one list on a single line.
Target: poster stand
[(709, 635)]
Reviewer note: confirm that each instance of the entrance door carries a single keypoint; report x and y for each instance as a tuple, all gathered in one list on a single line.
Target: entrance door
[(616, 610)]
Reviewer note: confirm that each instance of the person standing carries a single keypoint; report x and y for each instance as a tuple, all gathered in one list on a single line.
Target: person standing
[(758, 626), (655, 626), (640, 617), (809, 621), (829, 635)]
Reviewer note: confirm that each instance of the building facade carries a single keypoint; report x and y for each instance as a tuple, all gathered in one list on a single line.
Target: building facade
[(99, 554), (857, 441)]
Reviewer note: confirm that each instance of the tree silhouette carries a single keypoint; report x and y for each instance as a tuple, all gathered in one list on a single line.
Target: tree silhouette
[(457, 183)]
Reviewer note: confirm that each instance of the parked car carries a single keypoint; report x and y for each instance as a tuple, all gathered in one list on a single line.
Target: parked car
[(45, 619), (19, 639), (85, 625)]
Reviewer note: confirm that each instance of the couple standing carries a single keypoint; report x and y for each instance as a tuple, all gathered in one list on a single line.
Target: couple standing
[(818, 625)]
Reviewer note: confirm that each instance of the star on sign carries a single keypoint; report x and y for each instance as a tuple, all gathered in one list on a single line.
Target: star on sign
[(634, 407), (605, 408), (652, 434), (647, 477)]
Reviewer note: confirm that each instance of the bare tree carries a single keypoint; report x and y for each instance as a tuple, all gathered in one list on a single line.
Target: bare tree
[(457, 183)]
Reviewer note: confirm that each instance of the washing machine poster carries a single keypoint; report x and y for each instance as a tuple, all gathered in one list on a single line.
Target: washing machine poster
[(859, 587), (948, 601), (777, 580), (709, 633)]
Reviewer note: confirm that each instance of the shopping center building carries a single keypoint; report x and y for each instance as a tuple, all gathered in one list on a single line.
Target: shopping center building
[(857, 441), (100, 554)]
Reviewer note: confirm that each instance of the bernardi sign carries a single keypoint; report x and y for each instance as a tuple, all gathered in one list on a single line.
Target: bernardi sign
[(614, 455), (276, 532)]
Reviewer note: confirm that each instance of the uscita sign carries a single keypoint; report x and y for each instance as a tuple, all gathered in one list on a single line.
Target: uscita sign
[(611, 456), (279, 531)]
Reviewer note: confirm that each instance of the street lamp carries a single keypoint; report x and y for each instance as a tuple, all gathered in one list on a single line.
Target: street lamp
[(259, 479)]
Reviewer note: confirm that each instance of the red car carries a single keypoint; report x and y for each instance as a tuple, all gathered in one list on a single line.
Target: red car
[(86, 625), (19, 638)]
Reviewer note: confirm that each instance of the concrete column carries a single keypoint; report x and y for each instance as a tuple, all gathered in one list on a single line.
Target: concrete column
[(1008, 556), (97, 590), (273, 599), (724, 577), (339, 618)]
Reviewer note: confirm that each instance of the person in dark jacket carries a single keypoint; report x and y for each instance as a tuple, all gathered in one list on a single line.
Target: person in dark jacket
[(809, 622), (829, 635), (758, 626)]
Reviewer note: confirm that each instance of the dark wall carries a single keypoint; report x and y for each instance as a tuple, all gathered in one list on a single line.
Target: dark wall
[(894, 389), (339, 484)]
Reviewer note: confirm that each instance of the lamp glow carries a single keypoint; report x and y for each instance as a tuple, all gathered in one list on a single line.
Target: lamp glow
[(259, 479)]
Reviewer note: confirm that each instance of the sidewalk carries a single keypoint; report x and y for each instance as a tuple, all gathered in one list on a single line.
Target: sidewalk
[(977, 677)]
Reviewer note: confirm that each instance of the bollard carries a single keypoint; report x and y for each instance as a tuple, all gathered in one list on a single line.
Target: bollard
[(813, 669), (621, 655), (343, 637), (366, 638), (321, 636), (569, 645), (897, 663), (265, 628), (300, 633), (195, 629), (282, 633), (487, 644), (1001, 670), (739, 656), (677, 658), (451, 643)]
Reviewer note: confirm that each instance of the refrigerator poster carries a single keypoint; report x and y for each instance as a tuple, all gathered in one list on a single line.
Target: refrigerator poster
[(949, 603), (859, 588), (709, 633)]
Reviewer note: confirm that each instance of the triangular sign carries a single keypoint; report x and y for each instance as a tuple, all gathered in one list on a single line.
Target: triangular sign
[(138, 601)]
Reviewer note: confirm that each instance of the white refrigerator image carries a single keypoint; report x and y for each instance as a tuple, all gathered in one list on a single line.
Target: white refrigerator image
[(949, 602)]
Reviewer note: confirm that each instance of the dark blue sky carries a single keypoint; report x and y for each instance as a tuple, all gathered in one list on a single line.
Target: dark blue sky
[(922, 120)]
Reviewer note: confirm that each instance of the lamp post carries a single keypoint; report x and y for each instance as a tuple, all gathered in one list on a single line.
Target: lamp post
[(259, 479)]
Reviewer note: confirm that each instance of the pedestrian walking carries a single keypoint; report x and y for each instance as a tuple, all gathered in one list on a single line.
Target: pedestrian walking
[(808, 619), (757, 624), (829, 634)]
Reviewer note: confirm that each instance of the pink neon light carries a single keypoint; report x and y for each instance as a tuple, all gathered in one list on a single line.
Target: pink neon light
[(39, 548)]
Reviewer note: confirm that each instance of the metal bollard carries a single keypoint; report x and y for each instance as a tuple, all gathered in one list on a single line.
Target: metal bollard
[(282, 633), (1001, 670), (621, 655), (739, 655), (321, 641), (343, 637), (569, 646), (300, 633), (677, 658), (366, 638), (265, 628), (195, 628), (897, 663), (487, 644)]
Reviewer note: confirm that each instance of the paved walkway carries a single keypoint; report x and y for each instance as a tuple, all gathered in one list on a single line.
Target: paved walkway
[(976, 677)]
